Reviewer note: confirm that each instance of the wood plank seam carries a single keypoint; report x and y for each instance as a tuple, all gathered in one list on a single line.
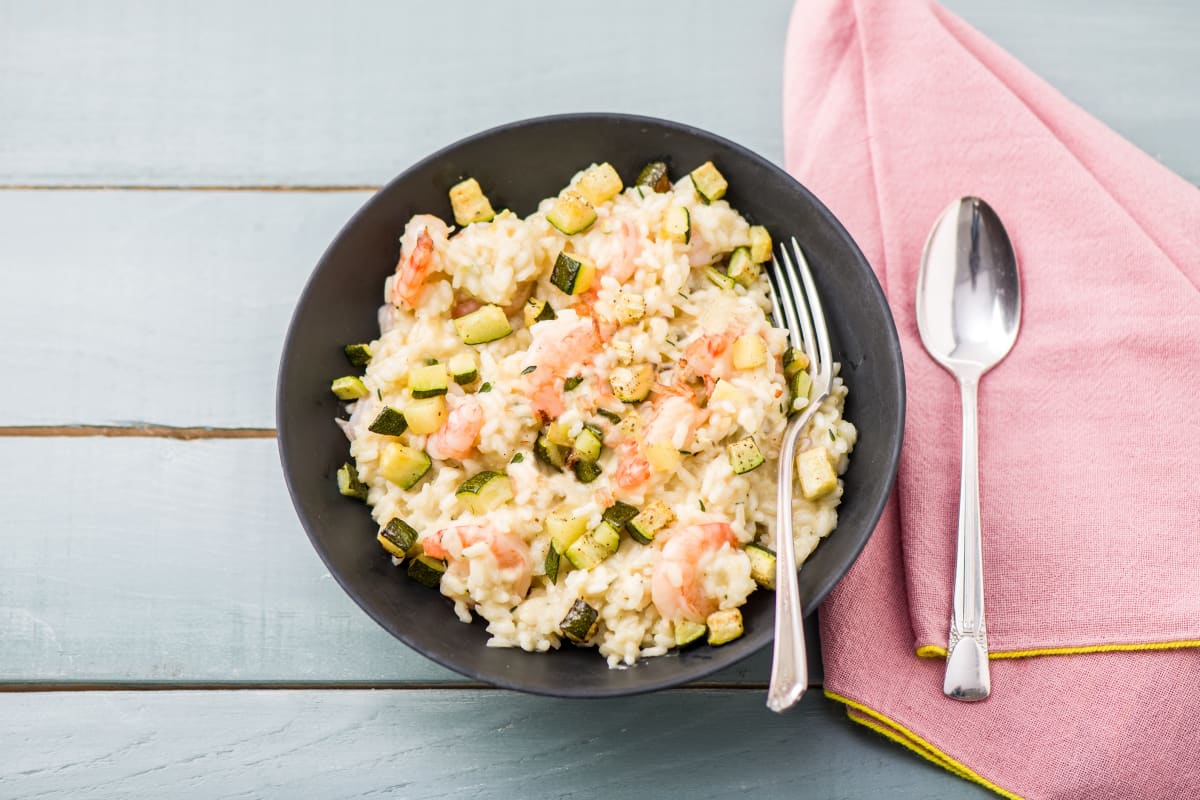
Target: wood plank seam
[(136, 430)]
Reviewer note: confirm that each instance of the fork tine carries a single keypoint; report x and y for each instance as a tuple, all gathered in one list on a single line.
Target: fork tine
[(784, 302), (825, 363), (802, 306)]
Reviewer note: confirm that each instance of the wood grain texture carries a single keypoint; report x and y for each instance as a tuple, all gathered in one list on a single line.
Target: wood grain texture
[(162, 561), (403, 744), (323, 92)]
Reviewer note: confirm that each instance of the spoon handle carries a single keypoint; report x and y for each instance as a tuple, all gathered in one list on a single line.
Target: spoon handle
[(967, 674)]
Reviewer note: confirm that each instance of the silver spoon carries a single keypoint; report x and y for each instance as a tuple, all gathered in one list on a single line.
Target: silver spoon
[(968, 312)]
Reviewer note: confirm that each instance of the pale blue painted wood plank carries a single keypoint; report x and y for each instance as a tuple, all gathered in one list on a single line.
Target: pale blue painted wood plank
[(163, 561), (407, 744)]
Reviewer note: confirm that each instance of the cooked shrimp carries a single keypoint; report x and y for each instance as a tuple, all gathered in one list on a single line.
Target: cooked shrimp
[(623, 268), (672, 420), (710, 357), (560, 346), (416, 258), (461, 545), (458, 435), (633, 470), (677, 586)]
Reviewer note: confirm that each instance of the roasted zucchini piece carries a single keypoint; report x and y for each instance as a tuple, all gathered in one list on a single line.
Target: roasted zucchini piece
[(709, 182), (586, 471), (800, 385), (580, 623), (618, 514), (571, 213), (463, 368), (397, 537), (817, 477), (538, 310), (793, 361), (359, 355), (630, 307), (632, 384), (485, 491), (719, 279), (564, 528), (486, 324), (688, 632), (654, 176), (663, 456), (349, 483), (550, 453), (388, 422), (655, 516), (599, 184), (724, 626), (749, 352), (611, 416), (760, 244), (762, 565), (426, 416), (588, 445), (403, 465), (573, 274), (470, 204), (677, 225), (594, 546), (427, 571), (744, 455), (742, 268), (349, 387)]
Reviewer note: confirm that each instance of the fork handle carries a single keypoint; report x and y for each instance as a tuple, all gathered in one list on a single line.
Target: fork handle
[(967, 673), (789, 667)]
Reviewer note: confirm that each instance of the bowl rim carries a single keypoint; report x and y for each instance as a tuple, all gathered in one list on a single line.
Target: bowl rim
[(823, 587)]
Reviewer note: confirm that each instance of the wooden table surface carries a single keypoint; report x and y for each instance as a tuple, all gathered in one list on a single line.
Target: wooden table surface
[(165, 628)]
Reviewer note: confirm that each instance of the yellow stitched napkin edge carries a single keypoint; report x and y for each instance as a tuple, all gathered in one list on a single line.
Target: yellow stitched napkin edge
[(937, 651)]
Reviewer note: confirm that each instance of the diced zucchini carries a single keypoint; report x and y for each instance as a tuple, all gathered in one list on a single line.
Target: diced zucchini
[(580, 623), (403, 465), (564, 528), (485, 491), (349, 483), (719, 279), (762, 565), (742, 268), (586, 471), (662, 456), (549, 453), (397, 537), (359, 355), (611, 416), (572, 382), (594, 546), (744, 455), (724, 626), (427, 571), (630, 307), (388, 422), (486, 324), (726, 392), (688, 632), (709, 182), (560, 434), (793, 361), (800, 385), (649, 521), (588, 445), (426, 416), (469, 202), (349, 387), (551, 564), (573, 274), (599, 184), (538, 310), (749, 352), (817, 477), (654, 176), (760, 244), (463, 368), (677, 226), (571, 213), (619, 513), (632, 384)]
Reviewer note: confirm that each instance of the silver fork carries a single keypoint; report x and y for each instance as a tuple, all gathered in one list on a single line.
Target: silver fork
[(803, 314)]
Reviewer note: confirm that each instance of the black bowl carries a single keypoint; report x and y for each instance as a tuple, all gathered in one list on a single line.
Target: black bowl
[(519, 164)]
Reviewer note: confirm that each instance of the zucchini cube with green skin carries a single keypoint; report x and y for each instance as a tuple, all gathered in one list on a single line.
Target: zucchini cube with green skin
[(619, 514), (580, 623), (745, 456), (709, 182), (688, 632), (564, 528), (470, 204), (349, 387), (594, 546), (572, 274), (817, 477), (588, 445), (388, 422), (538, 310), (760, 244), (430, 380), (724, 626), (599, 184), (403, 465), (742, 268), (359, 355), (646, 524), (800, 385), (397, 537), (485, 491), (349, 483), (486, 324), (463, 368), (586, 471), (426, 416), (632, 384), (427, 571), (793, 361), (749, 351), (571, 213), (762, 565), (719, 279), (549, 453), (655, 177), (677, 225)]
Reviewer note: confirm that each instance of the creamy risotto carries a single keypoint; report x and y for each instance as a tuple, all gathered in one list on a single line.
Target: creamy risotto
[(569, 424)]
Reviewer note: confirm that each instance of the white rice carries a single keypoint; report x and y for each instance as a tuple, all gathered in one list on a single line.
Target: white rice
[(500, 262)]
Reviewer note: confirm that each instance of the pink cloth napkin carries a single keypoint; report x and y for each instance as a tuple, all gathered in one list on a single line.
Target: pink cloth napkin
[(1089, 430)]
